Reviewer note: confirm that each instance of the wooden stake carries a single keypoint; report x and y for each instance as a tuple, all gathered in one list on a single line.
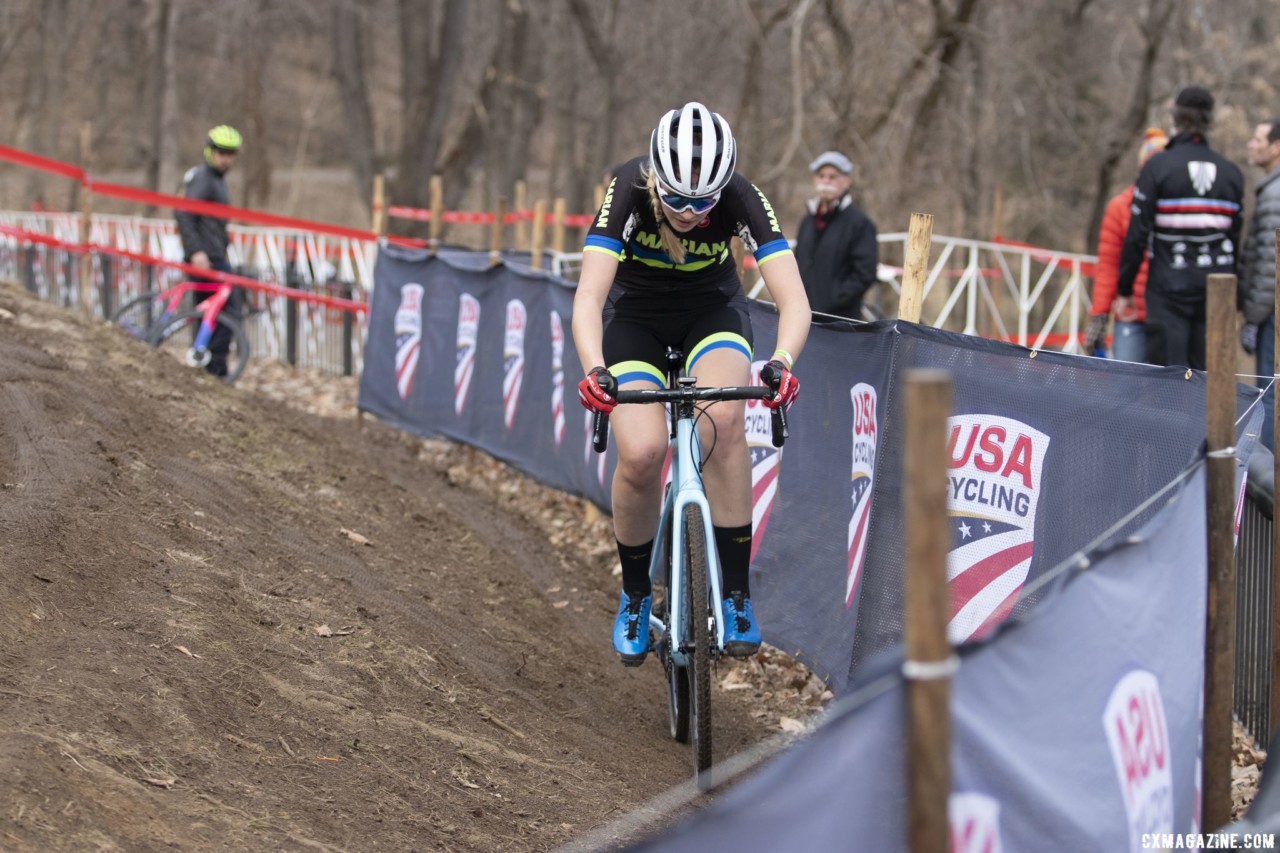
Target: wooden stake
[(521, 229), (495, 232), (929, 657), (1220, 625), (599, 196), (539, 228), (1273, 704), (557, 227), (86, 217), (915, 267), (379, 219), (436, 188)]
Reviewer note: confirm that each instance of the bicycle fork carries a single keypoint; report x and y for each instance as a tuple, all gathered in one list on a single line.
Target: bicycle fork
[(685, 490), (199, 354)]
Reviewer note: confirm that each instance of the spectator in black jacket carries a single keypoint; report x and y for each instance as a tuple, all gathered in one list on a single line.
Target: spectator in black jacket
[(1258, 267), (1186, 206), (836, 242), (204, 238)]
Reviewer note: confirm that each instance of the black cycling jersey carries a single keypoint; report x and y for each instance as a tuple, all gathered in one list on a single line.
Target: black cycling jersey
[(626, 228)]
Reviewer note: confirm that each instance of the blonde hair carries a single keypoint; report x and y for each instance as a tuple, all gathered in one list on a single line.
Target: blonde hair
[(670, 239)]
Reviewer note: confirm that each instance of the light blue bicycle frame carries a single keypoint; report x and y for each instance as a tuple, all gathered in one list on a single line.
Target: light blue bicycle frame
[(685, 489)]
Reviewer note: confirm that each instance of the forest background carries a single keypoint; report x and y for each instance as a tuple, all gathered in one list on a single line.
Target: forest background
[(1010, 117)]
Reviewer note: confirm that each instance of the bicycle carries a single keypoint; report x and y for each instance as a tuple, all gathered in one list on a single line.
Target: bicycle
[(157, 318), (686, 630)]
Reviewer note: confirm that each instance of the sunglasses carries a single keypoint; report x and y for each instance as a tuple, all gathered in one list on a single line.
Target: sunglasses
[(680, 203)]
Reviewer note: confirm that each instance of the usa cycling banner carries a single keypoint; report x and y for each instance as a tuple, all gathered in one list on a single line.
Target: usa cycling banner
[(1047, 451), (1111, 769)]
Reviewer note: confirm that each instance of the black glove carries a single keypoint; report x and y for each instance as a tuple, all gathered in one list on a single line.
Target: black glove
[(1095, 333), (1249, 337)]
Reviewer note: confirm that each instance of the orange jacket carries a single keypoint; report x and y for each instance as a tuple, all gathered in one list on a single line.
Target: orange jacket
[(1115, 223)]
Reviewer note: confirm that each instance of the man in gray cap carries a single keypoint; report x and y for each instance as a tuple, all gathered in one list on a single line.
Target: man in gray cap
[(1186, 208), (836, 242)]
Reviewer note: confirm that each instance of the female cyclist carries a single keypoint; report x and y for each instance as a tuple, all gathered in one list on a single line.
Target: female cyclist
[(657, 271)]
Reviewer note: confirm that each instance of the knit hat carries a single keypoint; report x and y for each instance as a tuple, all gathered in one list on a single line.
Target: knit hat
[(1195, 97), (832, 158), (1153, 140)]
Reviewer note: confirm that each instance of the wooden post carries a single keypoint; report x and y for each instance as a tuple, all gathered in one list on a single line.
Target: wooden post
[(520, 228), (536, 235), (929, 663), (1220, 624), (495, 232), (557, 227), (1273, 705), (378, 221), (599, 196), (915, 267), (86, 216), (436, 188)]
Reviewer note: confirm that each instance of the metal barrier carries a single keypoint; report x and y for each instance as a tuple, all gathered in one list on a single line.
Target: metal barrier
[(1254, 612)]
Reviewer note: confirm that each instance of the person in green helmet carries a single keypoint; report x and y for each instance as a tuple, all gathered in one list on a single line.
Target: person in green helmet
[(204, 238)]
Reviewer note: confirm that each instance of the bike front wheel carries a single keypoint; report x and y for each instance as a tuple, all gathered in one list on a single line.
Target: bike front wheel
[(698, 631), (138, 315), (178, 334)]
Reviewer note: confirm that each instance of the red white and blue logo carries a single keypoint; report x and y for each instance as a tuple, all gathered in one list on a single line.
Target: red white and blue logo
[(468, 333), (764, 462), (513, 360), (993, 491), (557, 377), (408, 329), (975, 823), (1138, 734), (862, 475)]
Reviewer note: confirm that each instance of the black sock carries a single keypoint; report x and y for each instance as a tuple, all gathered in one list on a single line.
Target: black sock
[(635, 568), (733, 544)]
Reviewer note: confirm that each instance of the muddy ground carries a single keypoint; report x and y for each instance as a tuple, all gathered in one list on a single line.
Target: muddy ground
[(227, 622)]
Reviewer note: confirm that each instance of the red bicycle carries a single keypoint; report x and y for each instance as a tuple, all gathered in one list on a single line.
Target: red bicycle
[(159, 319)]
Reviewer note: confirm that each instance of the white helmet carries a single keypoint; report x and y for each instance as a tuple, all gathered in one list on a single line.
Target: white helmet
[(693, 141)]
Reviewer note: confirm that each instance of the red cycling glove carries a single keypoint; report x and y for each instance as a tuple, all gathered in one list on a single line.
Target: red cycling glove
[(786, 389), (593, 394)]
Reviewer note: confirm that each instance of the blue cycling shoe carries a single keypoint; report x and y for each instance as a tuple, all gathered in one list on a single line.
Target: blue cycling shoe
[(741, 633), (631, 629)]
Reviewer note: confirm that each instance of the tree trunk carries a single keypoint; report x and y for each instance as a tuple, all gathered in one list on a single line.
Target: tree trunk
[(1155, 26), (162, 166), (603, 52), (427, 104), (353, 88)]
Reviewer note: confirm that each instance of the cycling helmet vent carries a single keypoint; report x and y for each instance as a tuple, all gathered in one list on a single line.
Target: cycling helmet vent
[(224, 137), (692, 151)]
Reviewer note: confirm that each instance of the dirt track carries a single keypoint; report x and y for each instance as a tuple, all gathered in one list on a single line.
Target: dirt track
[(194, 654)]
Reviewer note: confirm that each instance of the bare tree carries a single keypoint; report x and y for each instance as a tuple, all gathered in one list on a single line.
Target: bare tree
[(427, 96), (163, 156), (353, 89)]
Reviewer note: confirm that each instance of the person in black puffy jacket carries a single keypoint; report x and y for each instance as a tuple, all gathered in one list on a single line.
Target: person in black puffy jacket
[(1258, 267), (1186, 207)]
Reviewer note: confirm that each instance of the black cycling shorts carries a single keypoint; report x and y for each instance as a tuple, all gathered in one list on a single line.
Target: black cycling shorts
[(639, 329)]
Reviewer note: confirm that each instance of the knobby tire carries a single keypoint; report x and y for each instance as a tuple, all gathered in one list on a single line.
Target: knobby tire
[(699, 669), (677, 676), (139, 314)]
